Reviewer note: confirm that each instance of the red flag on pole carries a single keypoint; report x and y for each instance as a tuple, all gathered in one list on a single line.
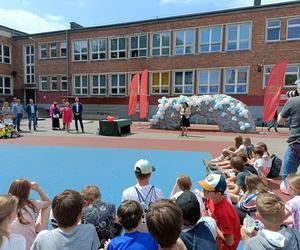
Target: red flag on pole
[(144, 95), (273, 89), (133, 95)]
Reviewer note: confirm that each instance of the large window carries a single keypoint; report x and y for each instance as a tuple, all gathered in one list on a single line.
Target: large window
[(63, 49), (44, 83), (43, 51), (160, 82), (118, 48), (98, 85), (80, 85), (138, 46), (5, 85), (210, 39), (64, 83), (118, 84), (4, 54), (183, 82), (80, 50), (161, 44), (273, 30), (209, 81), (184, 42), (29, 64), (98, 49), (293, 29), (291, 75), (53, 83), (238, 36), (236, 80), (53, 48)]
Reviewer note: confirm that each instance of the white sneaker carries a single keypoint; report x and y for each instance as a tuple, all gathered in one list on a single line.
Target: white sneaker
[(283, 188)]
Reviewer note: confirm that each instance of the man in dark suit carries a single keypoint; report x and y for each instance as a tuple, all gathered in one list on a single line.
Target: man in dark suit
[(31, 110), (77, 112)]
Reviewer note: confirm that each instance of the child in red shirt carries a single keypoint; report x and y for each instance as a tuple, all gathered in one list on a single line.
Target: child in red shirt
[(227, 219)]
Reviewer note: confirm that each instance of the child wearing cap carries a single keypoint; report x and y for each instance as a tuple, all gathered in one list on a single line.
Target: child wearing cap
[(222, 211)]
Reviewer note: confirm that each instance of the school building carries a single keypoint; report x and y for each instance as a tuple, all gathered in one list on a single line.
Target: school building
[(230, 51)]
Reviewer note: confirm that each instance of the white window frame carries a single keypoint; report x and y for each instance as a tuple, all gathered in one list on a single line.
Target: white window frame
[(160, 82), (210, 43), (53, 48), (2, 56), (236, 84), (292, 26), (208, 80), (31, 64), (138, 49), (80, 53), (98, 52), (238, 36), (184, 46), (5, 88), (161, 47), (118, 84), (118, 51), (63, 79), (291, 73), (42, 49), (183, 82), (63, 46), (81, 86), (272, 27), (41, 81), (52, 80), (99, 87)]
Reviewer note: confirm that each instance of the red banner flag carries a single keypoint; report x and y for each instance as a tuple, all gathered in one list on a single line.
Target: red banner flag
[(133, 94), (273, 90), (144, 95)]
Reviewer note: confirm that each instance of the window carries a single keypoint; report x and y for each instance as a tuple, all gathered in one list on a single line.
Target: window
[(80, 50), (267, 72), (53, 50), (4, 53), (236, 80), (54, 85), (118, 48), (5, 85), (98, 48), (98, 85), (161, 44), (273, 30), (293, 29), (64, 83), (44, 83), (118, 84), (210, 39), (81, 85), (160, 82), (63, 49), (238, 36), (43, 51), (184, 42), (184, 82), (291, 75), (29, 64), (138, 46), (209, 81)]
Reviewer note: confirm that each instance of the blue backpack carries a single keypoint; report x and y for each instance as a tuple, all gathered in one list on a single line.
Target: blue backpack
[(275, 167)]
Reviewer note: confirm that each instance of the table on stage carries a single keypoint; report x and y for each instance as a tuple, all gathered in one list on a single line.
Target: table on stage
[(114, 128)]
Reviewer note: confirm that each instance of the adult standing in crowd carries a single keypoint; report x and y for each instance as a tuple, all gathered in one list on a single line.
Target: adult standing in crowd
[(31, 110), (185, 113), (77, 113), (291, 162), (55, 117), (17, 112), (62, 105), (6, 112)]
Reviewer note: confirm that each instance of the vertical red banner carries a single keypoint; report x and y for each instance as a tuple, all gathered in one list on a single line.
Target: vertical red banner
[(144, 95), (273, 90), (133, 94)]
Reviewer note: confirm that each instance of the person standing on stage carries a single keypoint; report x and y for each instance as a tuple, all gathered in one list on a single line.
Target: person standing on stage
[(77, 112), (185, 113)]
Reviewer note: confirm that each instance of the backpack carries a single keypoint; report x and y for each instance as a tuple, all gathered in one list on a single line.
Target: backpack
[(275, 167)]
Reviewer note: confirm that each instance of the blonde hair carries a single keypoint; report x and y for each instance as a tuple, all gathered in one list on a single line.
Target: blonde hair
[(294, 182), (270, 207), (5, 104), (8, 204), (91, 193)]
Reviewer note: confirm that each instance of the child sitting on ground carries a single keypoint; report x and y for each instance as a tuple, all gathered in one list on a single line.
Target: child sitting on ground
[(270, 211), (258, 164)]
